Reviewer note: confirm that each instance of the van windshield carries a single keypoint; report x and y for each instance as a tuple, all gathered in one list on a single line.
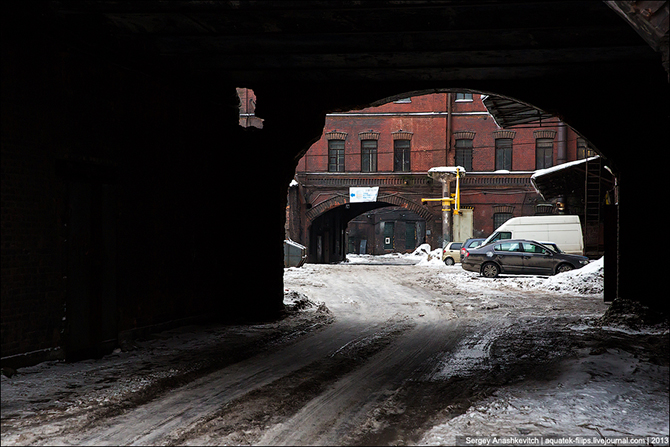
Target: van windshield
[(553, 247), (497, 236)]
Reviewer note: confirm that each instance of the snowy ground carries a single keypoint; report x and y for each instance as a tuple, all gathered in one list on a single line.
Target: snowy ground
[(612, 393), (381, 350)]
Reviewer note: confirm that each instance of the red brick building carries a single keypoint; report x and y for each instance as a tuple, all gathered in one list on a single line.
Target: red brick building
[(394, 145)]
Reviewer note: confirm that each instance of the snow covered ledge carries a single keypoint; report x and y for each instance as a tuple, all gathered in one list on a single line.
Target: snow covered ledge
[(542, 172)]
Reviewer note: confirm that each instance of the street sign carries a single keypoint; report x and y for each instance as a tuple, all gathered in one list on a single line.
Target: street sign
[(359, 194)]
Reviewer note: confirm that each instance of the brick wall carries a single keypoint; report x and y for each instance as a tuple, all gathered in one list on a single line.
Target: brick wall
[(425, 117), (428, 141)]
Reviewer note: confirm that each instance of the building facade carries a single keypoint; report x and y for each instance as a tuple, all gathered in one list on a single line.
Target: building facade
[(392, 146)]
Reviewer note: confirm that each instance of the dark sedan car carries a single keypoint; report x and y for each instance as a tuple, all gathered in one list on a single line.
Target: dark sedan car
[(471, 243), (519, 256)]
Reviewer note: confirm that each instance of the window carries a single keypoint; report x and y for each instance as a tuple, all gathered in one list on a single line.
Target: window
[(464, 154), (501, 218), (463, 96), (500, 236), (369, 155), (401, 156), (544, 153), (335, 155), (532, 248), (583, 150), (508, 246), (504, 153)]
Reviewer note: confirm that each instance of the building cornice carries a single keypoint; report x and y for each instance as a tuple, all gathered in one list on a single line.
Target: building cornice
[(465, 135), (336, 135), (504, 134), (402, 135), (368, 135), (544, 134)]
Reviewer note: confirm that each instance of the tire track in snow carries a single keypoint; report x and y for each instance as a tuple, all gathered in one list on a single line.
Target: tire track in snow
[(343, 408), (151, 422)]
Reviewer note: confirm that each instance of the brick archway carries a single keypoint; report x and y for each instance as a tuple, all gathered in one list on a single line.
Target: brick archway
[(384, 200)]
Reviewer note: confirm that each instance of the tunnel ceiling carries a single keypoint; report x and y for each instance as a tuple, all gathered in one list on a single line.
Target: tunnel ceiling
[(298, 41)]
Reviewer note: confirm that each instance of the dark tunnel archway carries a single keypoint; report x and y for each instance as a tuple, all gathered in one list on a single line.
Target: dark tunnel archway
[(90, 85), (328, 242)]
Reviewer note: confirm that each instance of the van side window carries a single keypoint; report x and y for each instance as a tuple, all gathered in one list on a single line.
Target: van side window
[(501, 235)]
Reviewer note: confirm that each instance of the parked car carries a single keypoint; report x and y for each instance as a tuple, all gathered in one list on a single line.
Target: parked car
[(470, 243), (451, 253), (519, 256), (564, 230)]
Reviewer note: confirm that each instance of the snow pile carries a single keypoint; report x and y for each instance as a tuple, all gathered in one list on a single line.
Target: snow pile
[(422, 250), (298, 302), (588, 280), (421, 256), (389, 258), (584, 281), (428, 257)]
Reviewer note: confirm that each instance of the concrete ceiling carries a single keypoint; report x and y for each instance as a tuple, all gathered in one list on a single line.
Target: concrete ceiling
[(357, 41)]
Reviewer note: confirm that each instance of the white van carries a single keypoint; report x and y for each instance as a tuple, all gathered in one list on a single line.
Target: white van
[(564, 230)]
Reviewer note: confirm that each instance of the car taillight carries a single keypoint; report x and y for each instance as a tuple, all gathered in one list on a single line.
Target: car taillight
[(467, 253)]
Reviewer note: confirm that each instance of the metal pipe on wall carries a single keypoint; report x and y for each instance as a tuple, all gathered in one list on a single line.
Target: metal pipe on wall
[(562, 155), (449, 129)]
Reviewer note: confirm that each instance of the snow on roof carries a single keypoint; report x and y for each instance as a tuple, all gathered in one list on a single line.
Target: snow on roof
[(541, 172), (448, 169)]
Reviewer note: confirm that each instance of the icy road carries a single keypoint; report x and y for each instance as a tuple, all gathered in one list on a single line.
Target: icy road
[(381, 352)]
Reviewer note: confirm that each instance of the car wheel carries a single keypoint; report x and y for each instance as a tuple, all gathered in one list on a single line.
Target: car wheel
[(563, 268), (449, 261), (490, 270)]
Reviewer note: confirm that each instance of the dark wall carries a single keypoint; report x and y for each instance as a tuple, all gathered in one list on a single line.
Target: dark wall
[(123, 197)]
